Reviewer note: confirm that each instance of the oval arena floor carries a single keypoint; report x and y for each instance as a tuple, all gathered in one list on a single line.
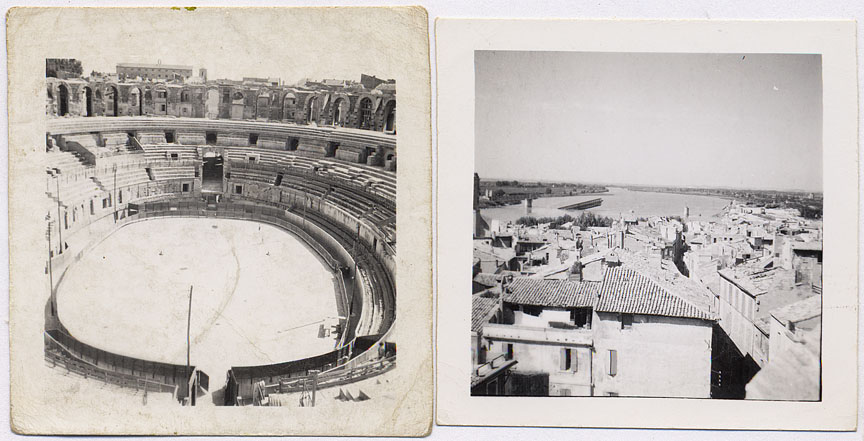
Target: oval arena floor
[(259, 296)]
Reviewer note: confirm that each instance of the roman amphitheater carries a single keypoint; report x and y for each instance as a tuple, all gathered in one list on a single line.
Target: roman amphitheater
[(227, 243)]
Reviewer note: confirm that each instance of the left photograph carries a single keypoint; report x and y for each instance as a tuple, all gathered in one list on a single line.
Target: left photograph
[(221, 230), (160, 174)]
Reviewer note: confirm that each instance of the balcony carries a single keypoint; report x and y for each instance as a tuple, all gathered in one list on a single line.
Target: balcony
[(582, 337)]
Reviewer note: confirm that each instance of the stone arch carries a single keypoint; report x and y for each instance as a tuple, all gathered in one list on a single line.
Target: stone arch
[(63, 100), (366, 120), (312, 108), (136, 100), (212, 103), (160, 100), (87, 99), (389, 117), (289, 101), (341, 108), (262, 105), (111, 103)]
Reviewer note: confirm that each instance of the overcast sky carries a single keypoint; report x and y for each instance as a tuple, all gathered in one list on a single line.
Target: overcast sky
[(720, 120)]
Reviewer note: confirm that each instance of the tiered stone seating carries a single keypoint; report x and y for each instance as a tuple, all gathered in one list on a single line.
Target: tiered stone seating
[(169, 173), (253, 175), (125, 177), (65, 161), (75, 191), (160, 152), (310, 187)]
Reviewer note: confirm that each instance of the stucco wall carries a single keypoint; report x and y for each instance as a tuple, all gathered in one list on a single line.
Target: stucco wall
[(656, 356)]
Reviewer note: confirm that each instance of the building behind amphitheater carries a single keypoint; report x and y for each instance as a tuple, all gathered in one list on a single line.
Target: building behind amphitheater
[(317, 159)]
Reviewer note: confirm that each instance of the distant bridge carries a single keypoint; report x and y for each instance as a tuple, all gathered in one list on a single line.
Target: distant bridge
[(584, 205)]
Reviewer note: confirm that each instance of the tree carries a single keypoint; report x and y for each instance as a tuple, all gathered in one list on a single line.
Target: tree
[(63, 67)]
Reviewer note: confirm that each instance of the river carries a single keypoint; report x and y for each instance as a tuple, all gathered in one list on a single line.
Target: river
[(616, 202)]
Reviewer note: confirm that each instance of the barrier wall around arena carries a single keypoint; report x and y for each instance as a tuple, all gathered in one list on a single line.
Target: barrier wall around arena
[(320, 239), (91, 362)]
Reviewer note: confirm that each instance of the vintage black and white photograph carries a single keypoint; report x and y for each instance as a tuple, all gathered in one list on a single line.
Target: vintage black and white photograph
[(288, 186), (221, 231), (647, 225)]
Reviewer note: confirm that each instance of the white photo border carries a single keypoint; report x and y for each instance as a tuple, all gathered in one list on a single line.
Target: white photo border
[(458, 39)]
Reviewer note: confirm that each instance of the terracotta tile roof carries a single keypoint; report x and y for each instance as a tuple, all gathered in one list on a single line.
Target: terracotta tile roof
[(627, 291), (557, 293), (481, 310), (487, 279)]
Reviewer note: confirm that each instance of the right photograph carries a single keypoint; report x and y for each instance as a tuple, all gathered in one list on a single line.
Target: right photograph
[(647, 225)]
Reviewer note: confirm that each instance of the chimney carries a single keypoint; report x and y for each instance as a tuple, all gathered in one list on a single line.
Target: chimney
[(574, 274)]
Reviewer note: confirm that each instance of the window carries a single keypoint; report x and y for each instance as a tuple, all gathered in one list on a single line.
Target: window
[(120, 197), (238, 189), (92, 210), (175, 156), (613, 362), (568, 359), (253, 138), (162, 107), (252, 159), (185, 188), (365, 113), (626, 321), (509, 351), (226, 96)]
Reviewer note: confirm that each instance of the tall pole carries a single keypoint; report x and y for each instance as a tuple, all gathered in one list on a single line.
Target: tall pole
[(59, 227), (188, 329), (115, 192), (50, 269)]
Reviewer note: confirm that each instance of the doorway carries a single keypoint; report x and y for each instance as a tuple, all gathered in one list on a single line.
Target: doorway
[(211, 173)]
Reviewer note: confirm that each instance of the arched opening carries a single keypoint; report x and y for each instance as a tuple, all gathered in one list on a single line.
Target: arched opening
[(331, 149), (288, 103), (390, 117), (238, 105), (339, 112), (262, 107), (161, 101), (111, 97), (365, 113), (211, 172), (136, 100), (63, 107), (312, 110), (148, 97), (88, 101), (212, 104), (210, 138)]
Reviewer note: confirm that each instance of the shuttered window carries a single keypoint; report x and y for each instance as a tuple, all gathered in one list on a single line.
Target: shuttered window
[(613, 362)]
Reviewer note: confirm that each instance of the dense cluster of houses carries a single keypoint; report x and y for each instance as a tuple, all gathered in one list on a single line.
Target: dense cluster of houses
[(661, 307)]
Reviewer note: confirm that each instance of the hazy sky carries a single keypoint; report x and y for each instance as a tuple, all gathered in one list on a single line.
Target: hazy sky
[(730, 120)]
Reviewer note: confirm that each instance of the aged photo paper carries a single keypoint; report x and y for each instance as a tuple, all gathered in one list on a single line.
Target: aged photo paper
[(204, 206), (663, 220)]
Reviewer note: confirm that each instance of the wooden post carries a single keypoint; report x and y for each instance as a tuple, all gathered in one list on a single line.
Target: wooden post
[(188, 329), (188, 343)]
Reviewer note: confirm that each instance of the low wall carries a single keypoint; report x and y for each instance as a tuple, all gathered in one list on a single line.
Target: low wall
[(162, 377), (318, 237)]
